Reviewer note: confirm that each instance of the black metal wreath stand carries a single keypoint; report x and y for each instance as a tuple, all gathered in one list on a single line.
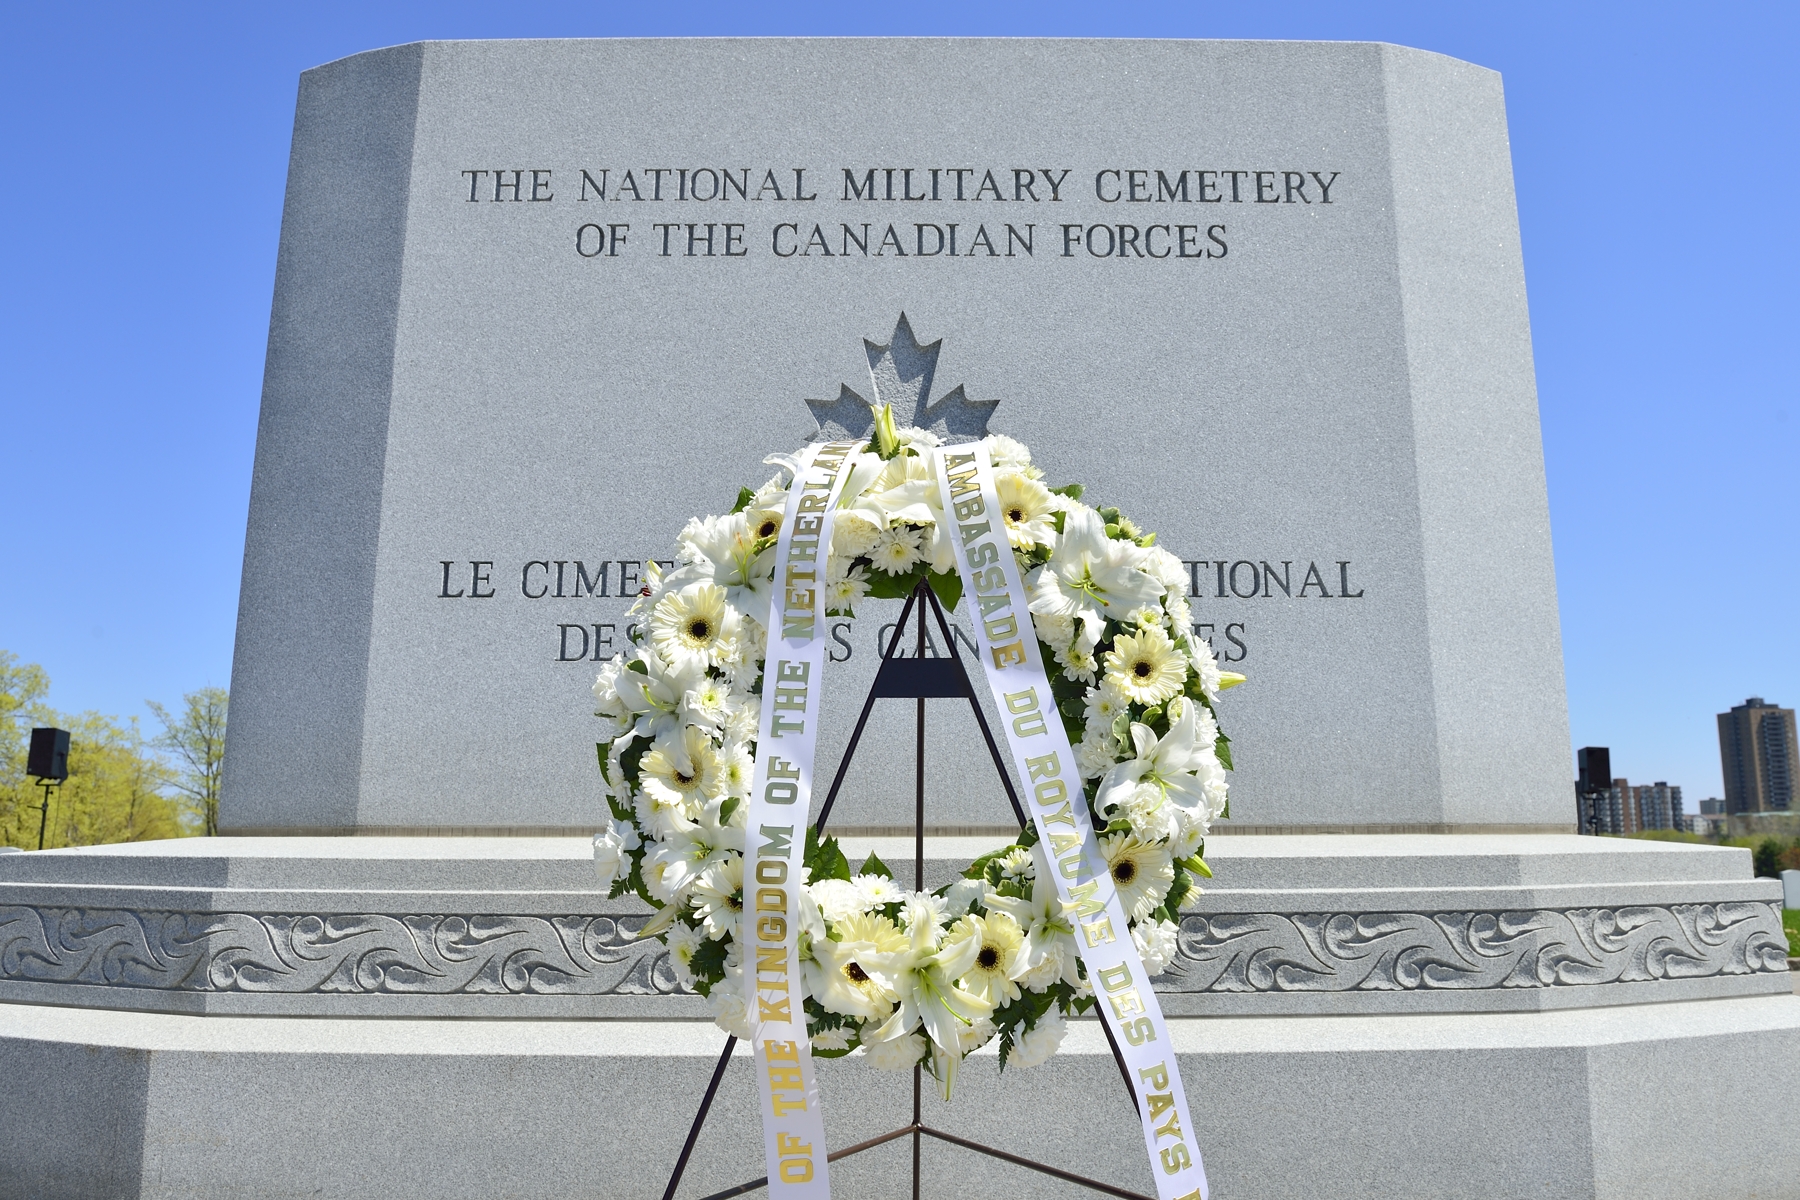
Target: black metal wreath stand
[(918, 678)]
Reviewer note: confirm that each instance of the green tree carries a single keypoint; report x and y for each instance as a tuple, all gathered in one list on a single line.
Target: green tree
[(1767, 857), (118, 787), (197, 741)]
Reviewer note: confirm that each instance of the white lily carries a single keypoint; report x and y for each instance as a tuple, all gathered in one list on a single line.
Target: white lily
[(1090, 576), (1180, 762), (722, 550), (923, 976), (1049, 952)]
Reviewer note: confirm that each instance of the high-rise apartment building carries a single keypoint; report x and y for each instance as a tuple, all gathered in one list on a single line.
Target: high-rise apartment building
[(1759, 756), (1658, 806)]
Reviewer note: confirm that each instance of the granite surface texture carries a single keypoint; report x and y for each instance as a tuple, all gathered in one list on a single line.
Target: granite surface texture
[(480, 421), (1572, 1104)]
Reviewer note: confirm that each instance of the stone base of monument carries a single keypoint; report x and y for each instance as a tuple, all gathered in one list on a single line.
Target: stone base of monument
[(1537, 1016)]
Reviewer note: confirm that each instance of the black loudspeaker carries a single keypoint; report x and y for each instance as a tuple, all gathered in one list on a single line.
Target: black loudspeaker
[(1596, 767), (49, 754)]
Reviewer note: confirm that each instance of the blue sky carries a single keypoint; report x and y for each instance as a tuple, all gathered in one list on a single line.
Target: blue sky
[(1654, 150)]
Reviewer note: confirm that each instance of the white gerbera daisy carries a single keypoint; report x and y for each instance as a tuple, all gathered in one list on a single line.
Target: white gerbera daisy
[(764, 522), (1146, 667), (896, 550), (1029, 510), (1141, 871), (682, 769), (849, 974), (718, 897), (1034, 1046), (1156, 944), (691, 626), (997, 941)]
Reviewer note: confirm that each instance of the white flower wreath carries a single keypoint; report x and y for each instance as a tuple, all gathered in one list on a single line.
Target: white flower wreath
[(913, 977)]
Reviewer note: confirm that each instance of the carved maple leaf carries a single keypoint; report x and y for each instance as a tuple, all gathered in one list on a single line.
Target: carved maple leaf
[(900, 373)]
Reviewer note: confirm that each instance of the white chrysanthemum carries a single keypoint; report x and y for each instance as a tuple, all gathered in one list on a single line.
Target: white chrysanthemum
[(1079, 664), (1141, 871), (683, 942), (895, 1054), (1055, 630), (837, 899), (742, 725), (1104, 704), (1028, 509), (1167, 570), (1190, 832), (997, 942), (609, 706), (843, 590), (682, 770), (878, 890), (1200, 654), (1096, 753), (610, 847), (962, 895), (1181, 617), (830, 1040), (896, 550), (1151, 815), (1017, 864), (692, 625), (1156, 944), (707, 703), (718, 897), (923, 914), (731, 1007), (1009, 455), (1146, 667), (971, 1038), (853, 536), (1033, 1047), (737, 771)]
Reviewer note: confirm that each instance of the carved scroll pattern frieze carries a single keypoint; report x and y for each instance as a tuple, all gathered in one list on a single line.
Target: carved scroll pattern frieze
[(368, 953), (373, 953), (1340, 952)]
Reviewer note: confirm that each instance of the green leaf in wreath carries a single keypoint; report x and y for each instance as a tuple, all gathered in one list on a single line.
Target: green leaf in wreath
[(948, 586), (745, 496), (883, 586), (709, 961), (600, 749), (824, 858), (1222, 747), (1072, 490), (874, 866)]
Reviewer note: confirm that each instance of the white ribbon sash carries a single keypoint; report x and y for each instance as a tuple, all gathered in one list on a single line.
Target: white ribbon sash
[(1045, 763), (775, 830)]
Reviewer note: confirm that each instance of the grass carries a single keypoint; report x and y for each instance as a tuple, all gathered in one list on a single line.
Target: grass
[(1790, 921)]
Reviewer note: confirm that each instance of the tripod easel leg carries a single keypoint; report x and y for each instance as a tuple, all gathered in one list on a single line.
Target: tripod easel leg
[(687, 1149)]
